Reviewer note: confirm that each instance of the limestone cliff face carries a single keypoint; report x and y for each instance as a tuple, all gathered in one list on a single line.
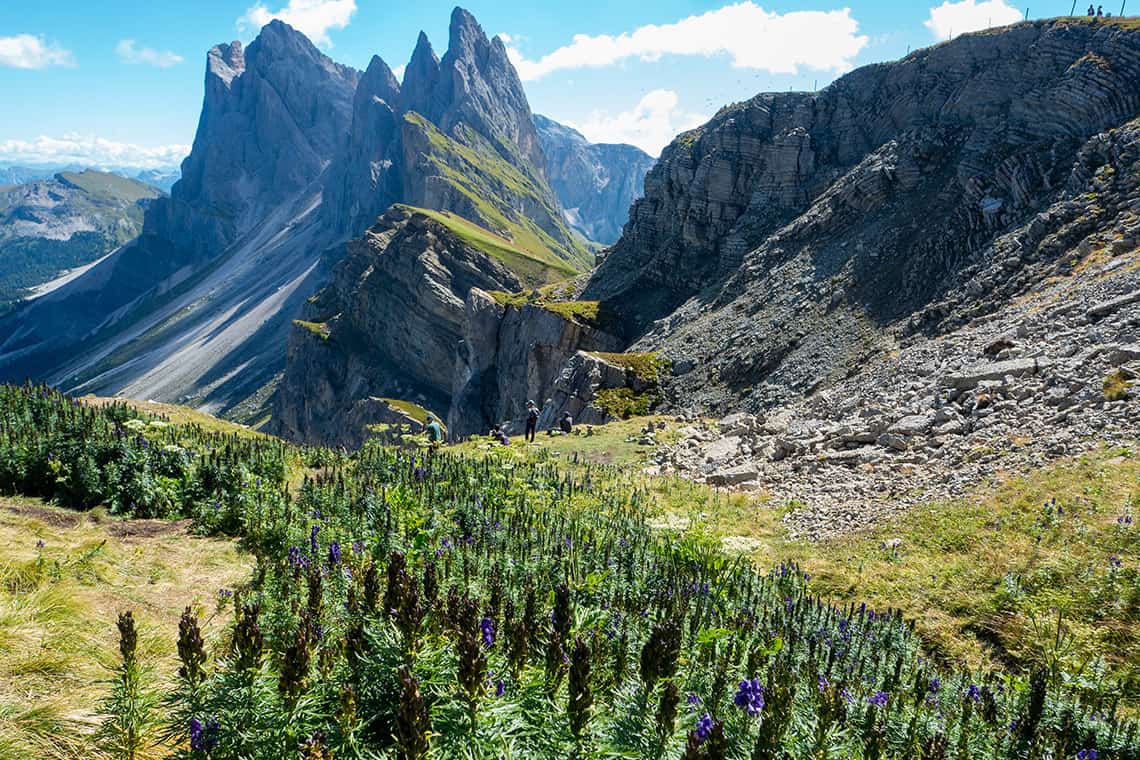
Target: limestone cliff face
[(795, 234), (510, 355), (192, 311), (595, 183), (386, 325), (918, 144), (272, 119)]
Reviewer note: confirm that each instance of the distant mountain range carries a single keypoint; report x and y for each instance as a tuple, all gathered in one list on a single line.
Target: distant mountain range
[(49, 226), (15, 174)]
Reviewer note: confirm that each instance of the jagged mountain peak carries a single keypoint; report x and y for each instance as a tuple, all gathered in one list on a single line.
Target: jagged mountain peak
[(378, 81), (226, 61)]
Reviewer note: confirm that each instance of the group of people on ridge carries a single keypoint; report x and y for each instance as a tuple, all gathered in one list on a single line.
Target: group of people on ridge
[(1099, 12), (434, 430)]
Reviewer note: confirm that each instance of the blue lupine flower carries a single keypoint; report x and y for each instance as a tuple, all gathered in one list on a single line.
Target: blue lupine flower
[(974, 693), (823, 684), (935, 685), (704, 727), (878, 698), (500, 688), (1086, 754), (750, 697), (487, 627), (693, 699), (334, 553), (313, 540)]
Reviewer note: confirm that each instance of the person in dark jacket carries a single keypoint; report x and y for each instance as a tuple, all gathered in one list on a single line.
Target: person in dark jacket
[(566, 424), (531, 421)]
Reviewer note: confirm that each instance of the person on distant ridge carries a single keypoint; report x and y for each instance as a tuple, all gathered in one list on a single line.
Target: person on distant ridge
[(434, 431), (566, 424), (1100, 11), (531, 421), (1092, 11)]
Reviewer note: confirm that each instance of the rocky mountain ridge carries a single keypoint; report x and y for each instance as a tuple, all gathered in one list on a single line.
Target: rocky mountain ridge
[(798, 235)]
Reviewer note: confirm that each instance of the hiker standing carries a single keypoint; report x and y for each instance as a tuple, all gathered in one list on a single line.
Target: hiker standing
[(1092, 11), (1100, 11), (434, 431), (531, 421)]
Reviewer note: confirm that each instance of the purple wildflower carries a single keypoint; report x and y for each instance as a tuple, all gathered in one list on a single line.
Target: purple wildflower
[(358, 546), (823, 684), (487, 628), (313, 540), (40, 544), (294, 556), (1086, 754), (334, 553), (704, 727), (973, 693), (750, 697), (693, 699), (500, 688), (935, 685), (1114, 561), (879, 698), (203, 737)]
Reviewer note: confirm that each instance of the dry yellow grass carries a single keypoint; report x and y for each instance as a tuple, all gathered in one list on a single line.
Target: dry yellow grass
[(59, 602)]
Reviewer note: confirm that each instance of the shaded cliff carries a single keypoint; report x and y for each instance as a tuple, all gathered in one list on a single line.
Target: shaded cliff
[(596, 183)]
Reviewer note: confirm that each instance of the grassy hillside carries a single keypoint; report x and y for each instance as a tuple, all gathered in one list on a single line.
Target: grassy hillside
[(533, 267), (519, 601), (63, 578), (496, 190), (983, 578)]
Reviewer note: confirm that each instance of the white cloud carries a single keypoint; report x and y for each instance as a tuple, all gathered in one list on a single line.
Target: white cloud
[(89, 150), (313, 18), (650, 125), (951, 19), (25, 51), (398, 72), (753, 37), (129, 53)]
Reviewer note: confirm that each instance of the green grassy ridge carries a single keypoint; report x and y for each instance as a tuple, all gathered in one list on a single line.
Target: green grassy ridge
[(477, 169), (646, 366), (533, 267), (107, 188), (320, 329), (409, 409)]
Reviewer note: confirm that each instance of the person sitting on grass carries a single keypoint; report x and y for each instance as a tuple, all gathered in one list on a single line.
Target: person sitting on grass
[(434, 431), (566, 423)]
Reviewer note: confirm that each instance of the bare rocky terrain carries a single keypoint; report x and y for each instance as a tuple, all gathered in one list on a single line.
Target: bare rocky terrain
[(933, 418)]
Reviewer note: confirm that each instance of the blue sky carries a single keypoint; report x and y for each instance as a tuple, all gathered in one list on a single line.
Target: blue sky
[(120, 81)]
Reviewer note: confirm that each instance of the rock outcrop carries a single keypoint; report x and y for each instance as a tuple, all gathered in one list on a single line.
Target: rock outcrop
[(513, 354), (796, 236), (386, 325), (595, 183), (457, 136)]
